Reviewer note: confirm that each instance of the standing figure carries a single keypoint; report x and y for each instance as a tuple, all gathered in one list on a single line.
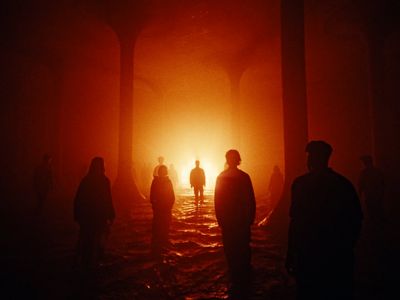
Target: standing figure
[(42, 182), (371, 187), (197, 182), (160, 163), (162, 199), (275, 187), (94, 212), (325, 224), (235, 209)]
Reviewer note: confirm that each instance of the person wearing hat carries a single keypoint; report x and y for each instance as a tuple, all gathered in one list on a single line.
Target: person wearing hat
[(235, 209), (325, 223)]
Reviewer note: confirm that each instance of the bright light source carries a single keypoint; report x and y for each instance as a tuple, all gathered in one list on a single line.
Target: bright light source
[(211, 171)]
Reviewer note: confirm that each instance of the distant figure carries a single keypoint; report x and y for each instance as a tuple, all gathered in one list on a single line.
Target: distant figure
[(42, 182), (235, 209), (197, 182), (94, 212), (371, 188), (325, 224), (173, 175), (275, 187), (160, 163), (162, 199)]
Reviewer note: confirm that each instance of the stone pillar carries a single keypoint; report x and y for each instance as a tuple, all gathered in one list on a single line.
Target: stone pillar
[(125, 110), (294, 98), (125, 186)]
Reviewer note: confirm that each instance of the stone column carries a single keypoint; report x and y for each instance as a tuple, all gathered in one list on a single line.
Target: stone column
[(125, 185), (294, 97)]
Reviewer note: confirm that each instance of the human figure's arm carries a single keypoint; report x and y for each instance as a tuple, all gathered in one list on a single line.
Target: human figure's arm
[(217, 201), (252, 201), (171, 194)]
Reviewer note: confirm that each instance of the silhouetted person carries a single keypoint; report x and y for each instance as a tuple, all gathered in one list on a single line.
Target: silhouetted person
[(160, 163), (94, 212), (275, 187), (173, 175), (198, 181), (325, 224), (162, 199), (371, 188), (235, 211), (42, 182)]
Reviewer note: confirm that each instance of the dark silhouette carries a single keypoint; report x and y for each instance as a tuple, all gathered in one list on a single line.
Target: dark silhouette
[(371, 188), (94, 212), (325, 224), (235, 211), (173, 175), (162, 199), (160, 163), (42, 182), (275, 187), (197, 182)]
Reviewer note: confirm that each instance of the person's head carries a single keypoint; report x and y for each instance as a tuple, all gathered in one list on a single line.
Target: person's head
[(367, 160), (233, 158), (97, 166), (162, 171), (160, 160), (319, 153), (197, 163)]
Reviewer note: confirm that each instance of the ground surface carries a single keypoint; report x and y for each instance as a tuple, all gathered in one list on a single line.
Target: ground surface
[(39, 256)]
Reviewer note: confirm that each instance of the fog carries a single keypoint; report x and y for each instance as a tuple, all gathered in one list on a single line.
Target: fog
[(131, 81)]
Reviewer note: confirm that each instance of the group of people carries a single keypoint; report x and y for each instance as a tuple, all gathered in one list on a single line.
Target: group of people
[(162, 198), (197, 178), (325, 219)]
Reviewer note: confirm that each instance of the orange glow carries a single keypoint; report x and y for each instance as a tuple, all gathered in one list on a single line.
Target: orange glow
[(210, 167)]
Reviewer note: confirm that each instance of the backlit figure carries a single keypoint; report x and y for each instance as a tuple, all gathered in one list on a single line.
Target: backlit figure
[(235, 209), (197, 182), (162, 199)]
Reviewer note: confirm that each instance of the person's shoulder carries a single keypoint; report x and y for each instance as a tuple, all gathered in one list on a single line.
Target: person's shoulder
[(243, 174), (234, 173), (221, 174), (302, 179), (338, 176), (341, 179), (224, 174)]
